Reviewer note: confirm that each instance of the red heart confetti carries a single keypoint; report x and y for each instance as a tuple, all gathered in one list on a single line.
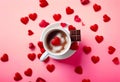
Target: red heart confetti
[(77, 18), (50, 67), (63, 24), (74, 46), (17, 77), (86, 80), (30, 32), (4, 58), (71, 27), (99, 39), (24, 20), (40, 79), (78, 70), (96, 7), (94, 27), (69, 11), (95, 59), (106, 18), (28, 72), (56, 41), (43, 3), (40, 44), (42, 50), (31, 46), (57, 17), (47, 60), (116, 61), (111, 49), (84, 2), (32, 56), (33, 16), (87, 49), (43, 24), (39, 55)]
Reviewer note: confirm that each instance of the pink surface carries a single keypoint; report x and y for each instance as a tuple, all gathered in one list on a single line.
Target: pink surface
[(14, 41)]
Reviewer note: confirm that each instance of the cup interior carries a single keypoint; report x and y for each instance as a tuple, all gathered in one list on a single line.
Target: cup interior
[(51, 49)]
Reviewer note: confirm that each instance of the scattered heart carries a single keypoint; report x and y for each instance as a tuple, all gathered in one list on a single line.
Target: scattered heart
[(4, 58), (87, 49), (40, 44), (39, 55), (116, 61), (84, 2), (33, 16), (96, 7), (43, 24), (106, 18), (31, 46), (77, 18), (71, 27), (56, 41), (50, 67), (95, 59), (42, 50), (43, 3), (32, 56), (74, 46), (78, 70), (69, 11), (86, 80), (63, 24), (28, 72), (24, 20), (57, 17), (111, 49), (94, 27), (17, 77), (99, 39), (30, 32), (40, 79)]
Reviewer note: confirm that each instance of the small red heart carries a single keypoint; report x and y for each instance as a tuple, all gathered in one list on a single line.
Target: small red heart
[(24, 20), (71, 27), (17, 77), (98, 38), (96, 7), (39, 79), (47, 60), (87, 49), (74, 46), (43, 24), (116, 61), (86, 80), (63, 24), (69, 11), (30, 32), (84, 2), (111, 49), (43, 3), (28, 72), (50, 67), (57, 17), (56, 41), (77, 18), (106, 18), (94, 27), (95, 59), (33, 16), (32, 56), (31, 46), (42, 50), (78, 70), (39, 55), (40, 44), (4, 58)]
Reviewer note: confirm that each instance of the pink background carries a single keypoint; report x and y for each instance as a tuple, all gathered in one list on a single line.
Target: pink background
[(14, 40)]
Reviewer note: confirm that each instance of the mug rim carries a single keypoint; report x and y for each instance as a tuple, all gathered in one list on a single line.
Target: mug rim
[(68, 36)]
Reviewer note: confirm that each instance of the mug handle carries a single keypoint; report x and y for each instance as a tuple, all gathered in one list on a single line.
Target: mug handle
[(44, 56)]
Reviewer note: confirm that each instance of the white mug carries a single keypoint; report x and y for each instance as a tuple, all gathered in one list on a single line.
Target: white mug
[(50, 53)]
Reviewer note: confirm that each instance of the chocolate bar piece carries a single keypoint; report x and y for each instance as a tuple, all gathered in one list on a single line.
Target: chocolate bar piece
[(75, 35)]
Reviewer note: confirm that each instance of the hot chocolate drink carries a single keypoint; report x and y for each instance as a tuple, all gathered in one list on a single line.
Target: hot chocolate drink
[(56, 41)]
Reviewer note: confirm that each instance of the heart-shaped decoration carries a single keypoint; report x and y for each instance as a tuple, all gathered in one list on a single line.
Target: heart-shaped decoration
[(77, 18), (4, 58), (40, 44), (24, 20), (95, 59), (40, 79), (43, 3), (94, 27), (43, 24), (71, 27), (116, 61), (111, 49), (86, 80), (78, 70), (57, 17), (74, 46), (87, 49), (106, 18), (69, 11), (63, 24), (84, 2), (33, 16), (96, 7), (56, 41), (31, 46), (98, 38), (28, 72), (32, 56), (30, 32), (17, 76), (50, 67)]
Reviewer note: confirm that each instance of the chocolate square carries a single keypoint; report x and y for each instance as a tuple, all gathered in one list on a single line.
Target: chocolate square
[(75, 35)]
